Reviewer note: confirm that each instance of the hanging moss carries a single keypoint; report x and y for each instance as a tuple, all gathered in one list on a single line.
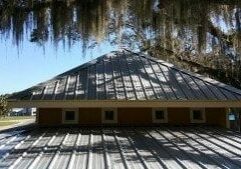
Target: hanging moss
[(164, 28)]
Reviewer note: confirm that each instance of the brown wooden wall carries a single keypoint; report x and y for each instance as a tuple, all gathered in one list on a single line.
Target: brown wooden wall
[(50, 116), (134, 115), (92, 116), (178, 116), (216, 116)]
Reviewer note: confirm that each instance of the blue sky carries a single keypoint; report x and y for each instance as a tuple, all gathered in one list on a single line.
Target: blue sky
[(30, 64)]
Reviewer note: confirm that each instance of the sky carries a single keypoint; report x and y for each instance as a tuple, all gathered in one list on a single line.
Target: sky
[(23, 67)]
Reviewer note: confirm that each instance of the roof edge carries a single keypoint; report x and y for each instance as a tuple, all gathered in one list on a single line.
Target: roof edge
[(125, 103)]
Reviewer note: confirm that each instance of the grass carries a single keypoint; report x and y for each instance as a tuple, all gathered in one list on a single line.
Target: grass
[(10, 120), (16, 118), (7, 123)]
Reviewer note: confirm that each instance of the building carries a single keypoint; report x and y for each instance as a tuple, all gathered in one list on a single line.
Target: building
[(22, 112), (126, 88)]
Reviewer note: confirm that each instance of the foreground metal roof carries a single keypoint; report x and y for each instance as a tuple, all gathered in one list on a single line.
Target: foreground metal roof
[(124, 75), (133, 148)]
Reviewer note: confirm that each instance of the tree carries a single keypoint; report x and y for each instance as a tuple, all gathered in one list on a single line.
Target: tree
[(202, 36), (3, 106)]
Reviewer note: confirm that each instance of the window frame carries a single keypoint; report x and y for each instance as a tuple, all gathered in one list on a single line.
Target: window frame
[(114, 115), (154, 120), (75, 121), (203, 114)]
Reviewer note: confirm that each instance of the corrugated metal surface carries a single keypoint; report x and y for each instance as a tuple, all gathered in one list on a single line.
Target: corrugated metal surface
[(162, 147), (124, 75)]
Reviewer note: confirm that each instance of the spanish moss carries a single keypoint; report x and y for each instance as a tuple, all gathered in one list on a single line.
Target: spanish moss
[(202, 36)]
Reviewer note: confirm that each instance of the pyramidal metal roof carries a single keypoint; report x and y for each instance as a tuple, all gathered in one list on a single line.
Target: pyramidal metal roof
[(124, 75)]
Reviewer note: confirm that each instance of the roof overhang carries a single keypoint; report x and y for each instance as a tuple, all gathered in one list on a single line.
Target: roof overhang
[(122, 103)]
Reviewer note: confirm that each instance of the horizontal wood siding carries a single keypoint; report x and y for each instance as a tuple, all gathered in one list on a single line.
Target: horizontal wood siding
[(92, 116), (50, 116), (179, 116), (89, 116), (134, 115), (216, 116)]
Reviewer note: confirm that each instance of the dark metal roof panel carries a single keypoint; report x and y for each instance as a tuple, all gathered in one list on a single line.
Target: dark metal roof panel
[(149, 147), (124, 75)]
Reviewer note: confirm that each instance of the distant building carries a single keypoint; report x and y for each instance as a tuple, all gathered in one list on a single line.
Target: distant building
[(23, 112), (126, 88)]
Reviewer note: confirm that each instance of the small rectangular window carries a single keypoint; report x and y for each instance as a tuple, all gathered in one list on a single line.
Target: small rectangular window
[(69, 115), (109, 115), (197, 115), (159, 115)]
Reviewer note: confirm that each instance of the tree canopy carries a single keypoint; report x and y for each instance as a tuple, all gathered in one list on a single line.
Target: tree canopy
[(202, 36), (3, 105)]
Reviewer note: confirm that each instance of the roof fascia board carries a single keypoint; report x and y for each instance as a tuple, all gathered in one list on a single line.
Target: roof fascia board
[(126, 103)]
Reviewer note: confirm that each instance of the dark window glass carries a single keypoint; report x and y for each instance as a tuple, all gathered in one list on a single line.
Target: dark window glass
[(197, 115), (109, 115), (159, 114), (69, 115)]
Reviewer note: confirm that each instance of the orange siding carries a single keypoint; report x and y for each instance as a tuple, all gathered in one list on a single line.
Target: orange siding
[(216, 116), (50, 116), (134, 115), (180, 116), (90, 116)]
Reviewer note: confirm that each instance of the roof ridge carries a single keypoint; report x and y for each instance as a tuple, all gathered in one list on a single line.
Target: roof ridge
[(195, 75)]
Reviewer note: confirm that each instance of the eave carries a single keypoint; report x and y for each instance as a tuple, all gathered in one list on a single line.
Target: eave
[(123, 103)]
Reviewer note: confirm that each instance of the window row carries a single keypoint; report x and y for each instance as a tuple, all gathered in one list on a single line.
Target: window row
[(160, 115), (109, 115)]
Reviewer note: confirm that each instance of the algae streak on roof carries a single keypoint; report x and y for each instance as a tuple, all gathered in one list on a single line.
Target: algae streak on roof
[(124, 75)]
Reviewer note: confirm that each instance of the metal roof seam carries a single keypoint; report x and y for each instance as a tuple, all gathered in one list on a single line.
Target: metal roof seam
[(124, 87), (55, 89), (134, 84), (200, 88), (128, 70), (200, 77), (168, 82), (177, 83), (87, 83), (114, 80), (158, 80), (66, 87), (75, 85), (149, 80), (138, 76)]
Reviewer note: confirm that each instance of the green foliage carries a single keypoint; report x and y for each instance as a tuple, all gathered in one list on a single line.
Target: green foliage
[(191, 32), (72, 20), (3, 106)]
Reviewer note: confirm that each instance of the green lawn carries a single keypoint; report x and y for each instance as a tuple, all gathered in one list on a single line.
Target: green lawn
[(16, 117), (7, 123), (10, 120)]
